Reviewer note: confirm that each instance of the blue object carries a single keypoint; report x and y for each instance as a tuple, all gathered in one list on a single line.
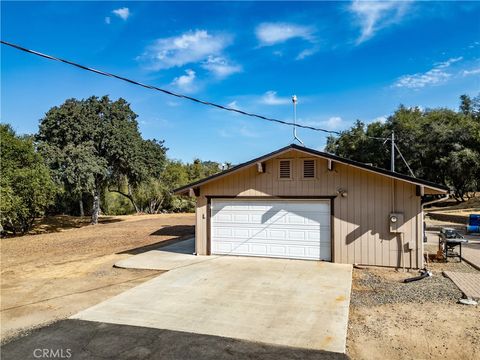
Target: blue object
[(474, 220), (473, 228)]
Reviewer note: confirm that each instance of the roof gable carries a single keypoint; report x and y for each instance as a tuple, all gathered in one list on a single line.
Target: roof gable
[(320, 154)]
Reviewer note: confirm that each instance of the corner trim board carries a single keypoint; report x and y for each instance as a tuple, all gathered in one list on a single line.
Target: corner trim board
[(209, 230)]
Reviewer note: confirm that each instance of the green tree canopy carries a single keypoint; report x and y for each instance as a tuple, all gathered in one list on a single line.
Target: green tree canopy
[(93, 143), (26, 187), (440, 145)]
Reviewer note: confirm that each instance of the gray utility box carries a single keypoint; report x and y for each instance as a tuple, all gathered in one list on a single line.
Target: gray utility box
[(395, 220)]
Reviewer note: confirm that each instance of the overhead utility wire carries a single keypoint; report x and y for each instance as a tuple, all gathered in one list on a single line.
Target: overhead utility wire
[(168, 92)]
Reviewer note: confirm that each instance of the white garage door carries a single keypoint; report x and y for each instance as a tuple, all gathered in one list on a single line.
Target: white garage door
[(298, 229)]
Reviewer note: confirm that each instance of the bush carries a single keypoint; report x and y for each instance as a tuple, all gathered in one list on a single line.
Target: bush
[(26, 187), (116, 204)]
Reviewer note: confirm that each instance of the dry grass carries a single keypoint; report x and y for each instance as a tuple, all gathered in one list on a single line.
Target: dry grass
[(53, 275), (471, 206)]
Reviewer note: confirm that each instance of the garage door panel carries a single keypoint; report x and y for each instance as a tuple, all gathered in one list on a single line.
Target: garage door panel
[(223, 247), (310, 234), (278, 228), (241, 218), (241, 233), (278, 250), (323, 235), (312, 239), (224, 217), (277, 219), (296, 235), (264, 250), (237, 244)]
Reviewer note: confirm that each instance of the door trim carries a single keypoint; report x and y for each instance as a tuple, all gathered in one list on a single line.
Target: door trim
[(320, 197)]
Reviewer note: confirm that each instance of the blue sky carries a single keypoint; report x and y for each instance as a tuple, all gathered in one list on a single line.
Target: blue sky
[(344, 61)]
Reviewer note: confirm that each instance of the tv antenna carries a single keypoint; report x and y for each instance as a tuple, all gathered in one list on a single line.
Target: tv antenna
[(295, 137)]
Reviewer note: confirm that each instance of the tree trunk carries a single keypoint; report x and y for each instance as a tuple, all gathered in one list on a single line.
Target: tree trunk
[(80, 205), (129, 196), (96, 206)]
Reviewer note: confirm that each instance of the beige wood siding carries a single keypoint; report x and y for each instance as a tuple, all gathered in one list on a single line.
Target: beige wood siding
[(360, 224)]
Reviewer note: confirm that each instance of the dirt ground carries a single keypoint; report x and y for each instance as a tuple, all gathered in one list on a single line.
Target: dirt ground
[(420, 320), (54, 275)]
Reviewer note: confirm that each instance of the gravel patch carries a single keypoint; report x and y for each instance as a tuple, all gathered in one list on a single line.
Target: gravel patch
[(379, 287)]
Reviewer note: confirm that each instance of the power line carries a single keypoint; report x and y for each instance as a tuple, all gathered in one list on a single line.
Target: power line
[(168, 92)]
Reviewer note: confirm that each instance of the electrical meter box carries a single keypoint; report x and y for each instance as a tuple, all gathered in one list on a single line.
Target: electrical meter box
[(395, 221)]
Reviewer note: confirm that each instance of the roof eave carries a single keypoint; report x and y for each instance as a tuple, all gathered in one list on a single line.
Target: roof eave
[(186, 189)]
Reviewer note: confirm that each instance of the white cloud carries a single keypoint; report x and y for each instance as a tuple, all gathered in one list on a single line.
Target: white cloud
[(274, 33), (271, 98), (420, 80), (233, 104), (474, 45), (108, 20), (185, 82), (122, 13), (437, 75), (242, 130), (332, 123), (305, 53), (381, 119), (220, 66), (269, 34), (190, 47), (376, 15), (445, 64), (156, 123), (471, 72)]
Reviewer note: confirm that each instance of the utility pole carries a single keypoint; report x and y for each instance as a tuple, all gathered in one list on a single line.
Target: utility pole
[(392, 163)]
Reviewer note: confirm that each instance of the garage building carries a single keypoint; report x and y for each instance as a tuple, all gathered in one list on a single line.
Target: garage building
[(300, 203)]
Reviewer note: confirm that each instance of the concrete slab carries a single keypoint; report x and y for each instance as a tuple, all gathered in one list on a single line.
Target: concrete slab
[(468, 283), (164, 258), (302, 304)]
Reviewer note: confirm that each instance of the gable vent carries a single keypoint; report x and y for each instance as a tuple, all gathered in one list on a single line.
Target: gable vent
[(308, 169), (285, 169)]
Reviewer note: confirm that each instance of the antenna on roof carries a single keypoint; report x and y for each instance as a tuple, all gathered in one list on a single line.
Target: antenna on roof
[(295, 137)]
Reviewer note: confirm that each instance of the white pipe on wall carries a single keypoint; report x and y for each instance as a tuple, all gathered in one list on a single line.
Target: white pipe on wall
[(447, 196)]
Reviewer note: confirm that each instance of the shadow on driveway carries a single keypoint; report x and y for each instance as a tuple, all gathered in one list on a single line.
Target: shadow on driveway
[(94, 340), (179, 232), (175, 230)]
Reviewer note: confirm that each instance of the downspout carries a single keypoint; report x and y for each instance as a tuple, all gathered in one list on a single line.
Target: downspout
[(447, 196)]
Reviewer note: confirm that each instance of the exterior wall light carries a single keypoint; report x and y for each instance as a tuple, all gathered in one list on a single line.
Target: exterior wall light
[(342, 192)]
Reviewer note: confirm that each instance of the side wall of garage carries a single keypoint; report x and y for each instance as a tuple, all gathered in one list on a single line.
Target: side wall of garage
[(360, 230)]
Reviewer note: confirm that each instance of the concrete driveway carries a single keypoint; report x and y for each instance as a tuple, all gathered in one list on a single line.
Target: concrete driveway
[(168, 257), (89, 340), (302, 304)]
